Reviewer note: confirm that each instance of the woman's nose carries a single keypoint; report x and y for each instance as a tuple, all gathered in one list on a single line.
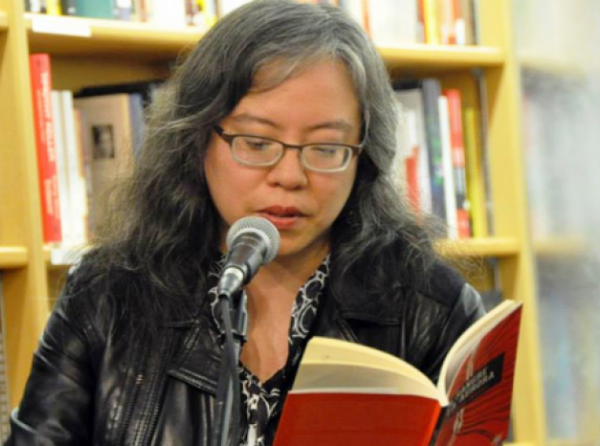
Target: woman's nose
[(288, 172)]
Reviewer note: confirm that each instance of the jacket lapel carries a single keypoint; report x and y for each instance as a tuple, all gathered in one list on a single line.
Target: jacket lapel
[(198, 362)]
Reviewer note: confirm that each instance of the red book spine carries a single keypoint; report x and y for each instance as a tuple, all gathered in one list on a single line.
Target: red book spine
[(41, 86), (458, 162)]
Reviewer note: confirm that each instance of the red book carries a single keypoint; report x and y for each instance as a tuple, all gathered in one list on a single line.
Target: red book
[(352, 395), (41, 86), (458, 162)]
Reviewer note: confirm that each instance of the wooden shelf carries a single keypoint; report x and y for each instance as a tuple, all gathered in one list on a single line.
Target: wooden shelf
[(441, 58), (3, 21), (107, 38), (486, 247), (12, 257), (148, 42)]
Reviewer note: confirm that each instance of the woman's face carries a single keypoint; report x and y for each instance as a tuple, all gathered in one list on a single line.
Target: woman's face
[(317, 105)]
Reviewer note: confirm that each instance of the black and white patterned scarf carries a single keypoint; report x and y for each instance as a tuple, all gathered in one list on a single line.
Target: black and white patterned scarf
[(261, 402)]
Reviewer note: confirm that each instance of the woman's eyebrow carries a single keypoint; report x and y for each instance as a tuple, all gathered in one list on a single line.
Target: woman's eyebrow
[(249, 118), (337, 124)]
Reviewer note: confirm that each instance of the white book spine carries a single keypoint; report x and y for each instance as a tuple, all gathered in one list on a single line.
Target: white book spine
[(448, 168), (76, 172), (169, 13), (62, 169), (393, 22)]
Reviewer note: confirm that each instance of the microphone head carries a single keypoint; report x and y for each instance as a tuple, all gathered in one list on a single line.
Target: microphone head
[(259, 226)]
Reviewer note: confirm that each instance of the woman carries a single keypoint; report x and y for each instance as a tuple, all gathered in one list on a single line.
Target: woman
[(283, 111)]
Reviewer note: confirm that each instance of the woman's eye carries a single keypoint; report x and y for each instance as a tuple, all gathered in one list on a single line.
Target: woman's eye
[(325, 152), (258, 144)]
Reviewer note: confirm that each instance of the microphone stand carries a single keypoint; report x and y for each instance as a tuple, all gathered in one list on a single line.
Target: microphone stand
[(235, 320)]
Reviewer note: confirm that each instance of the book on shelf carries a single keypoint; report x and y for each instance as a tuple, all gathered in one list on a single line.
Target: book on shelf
[(457, 170), (419, 189), (72, 165), (350, 394), (99, 9), (476, 191), (41, 87), (457, 151), (393, 22), (107, 137)]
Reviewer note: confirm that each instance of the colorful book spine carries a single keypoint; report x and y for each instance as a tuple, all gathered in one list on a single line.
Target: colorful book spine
[(53, 7), (430, 14), (100, 9), (41, 86), (475, 177), (458, 162), (449, 195)]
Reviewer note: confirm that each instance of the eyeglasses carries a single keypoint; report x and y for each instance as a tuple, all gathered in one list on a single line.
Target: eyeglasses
[(252, 150)]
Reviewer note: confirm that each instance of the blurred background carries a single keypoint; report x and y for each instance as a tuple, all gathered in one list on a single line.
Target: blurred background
[(557, 44)]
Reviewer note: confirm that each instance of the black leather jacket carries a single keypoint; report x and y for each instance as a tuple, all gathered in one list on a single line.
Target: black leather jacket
[(89, 386)]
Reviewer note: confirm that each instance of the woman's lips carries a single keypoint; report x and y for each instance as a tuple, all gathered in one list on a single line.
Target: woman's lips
[(282, 217)]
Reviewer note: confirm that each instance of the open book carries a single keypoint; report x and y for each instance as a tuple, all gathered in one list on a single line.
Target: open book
[(349, 394)]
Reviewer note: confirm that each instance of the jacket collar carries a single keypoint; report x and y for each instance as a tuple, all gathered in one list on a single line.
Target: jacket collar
[(199, 359)]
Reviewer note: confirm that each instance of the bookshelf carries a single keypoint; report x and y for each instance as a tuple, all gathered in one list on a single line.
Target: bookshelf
[(94, 53)]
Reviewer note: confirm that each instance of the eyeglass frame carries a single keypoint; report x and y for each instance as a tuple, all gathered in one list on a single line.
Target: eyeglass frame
[(230, 137)]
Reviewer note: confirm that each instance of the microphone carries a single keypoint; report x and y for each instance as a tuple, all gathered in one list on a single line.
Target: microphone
[(251, 243)]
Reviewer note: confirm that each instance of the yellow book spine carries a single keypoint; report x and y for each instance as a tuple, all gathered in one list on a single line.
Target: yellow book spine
[(53, 7), (430, 14), (475, 181)]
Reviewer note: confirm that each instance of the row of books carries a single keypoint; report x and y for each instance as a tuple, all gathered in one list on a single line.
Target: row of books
[(83, 144), (435, 22), (172, 13), (389, 22), (439, 161)]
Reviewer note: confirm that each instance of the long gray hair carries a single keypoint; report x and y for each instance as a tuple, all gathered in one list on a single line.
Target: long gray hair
[(164, 224)]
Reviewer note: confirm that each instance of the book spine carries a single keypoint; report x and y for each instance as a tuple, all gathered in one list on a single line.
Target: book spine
[(78, 194), (458, 162), (62, 171), (449, 195), (412, 161), (68, 7), (447, 21), (431, 93), (124, 10), (430, 11), (41, 86), (53, 7), (421, 22), (169, 13), (100, 9), (476, 184)]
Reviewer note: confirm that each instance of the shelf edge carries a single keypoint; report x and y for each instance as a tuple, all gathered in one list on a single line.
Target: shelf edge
[(3, 21), (13, 257), (486, 247), (150, 39)]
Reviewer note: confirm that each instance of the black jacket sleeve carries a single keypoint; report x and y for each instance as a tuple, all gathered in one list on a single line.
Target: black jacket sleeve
[(57, 404), (467, 309)]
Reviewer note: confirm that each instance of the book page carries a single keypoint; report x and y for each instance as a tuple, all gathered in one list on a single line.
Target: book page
[(481, 391), (366, 367), (348, 377)]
